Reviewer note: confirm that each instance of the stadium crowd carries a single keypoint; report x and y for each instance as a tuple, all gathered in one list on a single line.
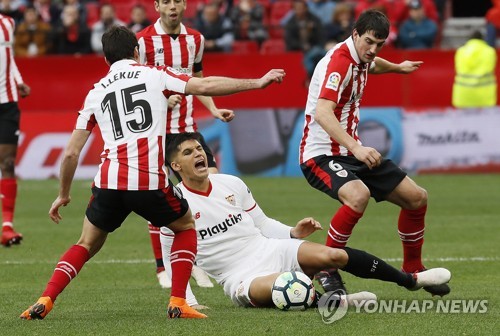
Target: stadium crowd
[(74, 27)]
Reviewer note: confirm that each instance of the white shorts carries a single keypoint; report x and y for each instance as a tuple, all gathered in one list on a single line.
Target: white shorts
[(272, 256)]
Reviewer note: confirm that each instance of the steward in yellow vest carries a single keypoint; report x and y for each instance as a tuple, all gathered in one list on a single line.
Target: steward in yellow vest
[(475, 81)]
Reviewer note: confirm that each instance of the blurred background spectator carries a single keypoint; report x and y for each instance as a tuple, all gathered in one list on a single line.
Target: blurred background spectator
[(138, 18), (32, 36), (107, 19), (72, 37), (48, 11), (217, 29), (323, 9), (475, 81), (13, 8), (248, 21), (82, 9), (417, 32), (304, 32), (493, 23), (340, 26)]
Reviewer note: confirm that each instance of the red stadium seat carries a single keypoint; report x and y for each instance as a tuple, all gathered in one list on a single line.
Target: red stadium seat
[(245, 47), (273, 46), (122, 10), (278, 10), (92, 13)]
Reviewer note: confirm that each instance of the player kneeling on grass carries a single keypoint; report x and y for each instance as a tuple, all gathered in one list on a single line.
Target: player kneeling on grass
[(129, 106), (245, 251)]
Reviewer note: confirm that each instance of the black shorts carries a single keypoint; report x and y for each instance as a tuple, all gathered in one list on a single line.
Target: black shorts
[(329, 173), (9, 123), (108, 208), (210, 156)]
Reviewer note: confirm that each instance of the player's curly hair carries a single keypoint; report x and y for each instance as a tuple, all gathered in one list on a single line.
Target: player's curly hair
[(374, 21), (118, 43)]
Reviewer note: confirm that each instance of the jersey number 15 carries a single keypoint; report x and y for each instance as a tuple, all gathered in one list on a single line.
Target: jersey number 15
[(109, 105)]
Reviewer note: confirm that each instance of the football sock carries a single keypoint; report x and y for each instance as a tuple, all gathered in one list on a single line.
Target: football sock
[(182, 257), (8, 187), (154, 235), (411, 232), (367, 266), (66, 270), (166, 245), (341, 226)]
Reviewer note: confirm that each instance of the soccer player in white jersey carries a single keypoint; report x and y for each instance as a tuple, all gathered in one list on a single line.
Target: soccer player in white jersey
[(10, 82), (129, 106), (334, 160), (244, 250), (169, 42)]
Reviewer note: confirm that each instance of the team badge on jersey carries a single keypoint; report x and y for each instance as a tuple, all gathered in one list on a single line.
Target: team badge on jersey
[(333, 81), (231, 199)]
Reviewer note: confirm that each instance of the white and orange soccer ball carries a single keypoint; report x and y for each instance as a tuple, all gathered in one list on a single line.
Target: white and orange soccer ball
[(293, 291)]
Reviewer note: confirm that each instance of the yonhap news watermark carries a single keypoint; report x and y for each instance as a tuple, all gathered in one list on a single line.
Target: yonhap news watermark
[(333, 307)]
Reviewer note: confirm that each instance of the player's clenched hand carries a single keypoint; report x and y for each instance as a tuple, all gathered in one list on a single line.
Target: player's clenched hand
[(223, 114), (54, 209), (369, 156), (305, 227), (275, 75), (24, 90), (174, 100), (409, 66)]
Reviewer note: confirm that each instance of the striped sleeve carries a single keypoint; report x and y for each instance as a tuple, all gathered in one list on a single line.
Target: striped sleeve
[(336, 78), (86, 119)]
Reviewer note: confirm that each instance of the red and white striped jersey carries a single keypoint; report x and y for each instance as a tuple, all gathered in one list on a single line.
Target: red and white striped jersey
[(9, 74), (340, 77), (181, 52), (129, 106)]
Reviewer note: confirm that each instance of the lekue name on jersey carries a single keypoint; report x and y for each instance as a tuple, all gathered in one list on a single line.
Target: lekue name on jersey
[(121, 75)]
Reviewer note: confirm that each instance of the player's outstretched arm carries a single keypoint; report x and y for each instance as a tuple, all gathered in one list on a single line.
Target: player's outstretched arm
[(219, 86), (384, 66), (67, 171), (224, 115)]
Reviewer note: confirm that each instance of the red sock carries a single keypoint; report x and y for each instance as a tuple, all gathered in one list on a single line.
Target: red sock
[(341, 226), (411, 231), (66, 270), (182, 257), (8, 186), (154, 234)]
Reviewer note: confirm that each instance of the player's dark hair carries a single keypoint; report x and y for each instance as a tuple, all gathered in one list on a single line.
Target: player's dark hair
[(374, 21), (172, 146), (118, 43)]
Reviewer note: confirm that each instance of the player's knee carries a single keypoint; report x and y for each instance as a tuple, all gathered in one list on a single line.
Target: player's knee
[(337, 258), (7, 166), (356, 197), (419, 199)]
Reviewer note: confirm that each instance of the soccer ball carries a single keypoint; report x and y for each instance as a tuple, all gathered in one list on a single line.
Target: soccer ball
[(293, 291)]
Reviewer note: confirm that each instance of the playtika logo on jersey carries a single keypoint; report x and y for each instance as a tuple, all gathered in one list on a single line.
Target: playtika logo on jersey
[(221, 227)]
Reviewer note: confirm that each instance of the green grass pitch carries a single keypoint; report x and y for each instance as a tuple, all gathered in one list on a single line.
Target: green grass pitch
[(117, 292)]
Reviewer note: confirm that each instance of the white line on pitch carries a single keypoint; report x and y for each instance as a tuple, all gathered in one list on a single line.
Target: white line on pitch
[(148, 261)]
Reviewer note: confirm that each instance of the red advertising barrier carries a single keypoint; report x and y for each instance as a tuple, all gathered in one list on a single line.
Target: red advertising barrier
[(60, 83)]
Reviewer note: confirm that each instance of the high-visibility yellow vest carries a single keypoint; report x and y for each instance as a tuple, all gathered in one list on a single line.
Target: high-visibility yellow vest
[(475, 81)]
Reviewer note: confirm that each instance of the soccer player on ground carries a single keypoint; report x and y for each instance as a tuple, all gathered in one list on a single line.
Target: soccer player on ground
[(129, 106), (169, 42), (335, 162), (245, 251), (10, 82)]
